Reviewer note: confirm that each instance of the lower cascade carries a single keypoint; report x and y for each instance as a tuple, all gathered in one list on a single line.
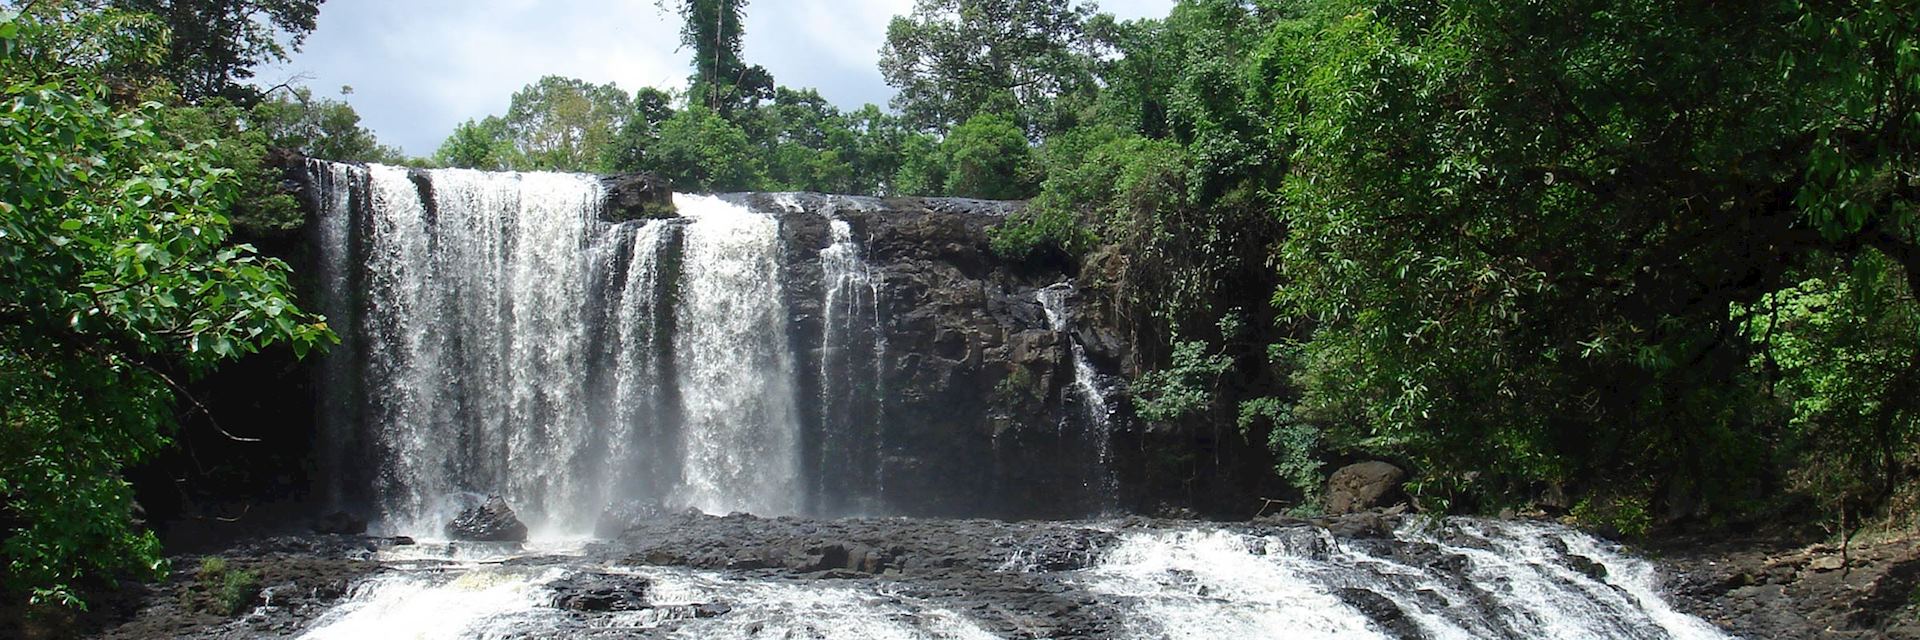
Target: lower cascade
[(1135, 580), (651, 396)]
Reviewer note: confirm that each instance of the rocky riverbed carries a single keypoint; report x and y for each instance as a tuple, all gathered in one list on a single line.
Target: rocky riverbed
[(1366, 575)]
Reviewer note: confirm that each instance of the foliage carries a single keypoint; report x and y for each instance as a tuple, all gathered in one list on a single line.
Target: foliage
[(216, 43), (1842, 350), (807, 143), (1522, 274), (988, 157), (317, 128), (953, 60), (117, 279), (632, 147), (722, 82), (701, 151), (563, 124), (231, 589), (485, 144), (1185, 388), (1297, 445), (1097, 177)]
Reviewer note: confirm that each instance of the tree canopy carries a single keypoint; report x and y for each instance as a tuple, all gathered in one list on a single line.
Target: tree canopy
[(119, 283)]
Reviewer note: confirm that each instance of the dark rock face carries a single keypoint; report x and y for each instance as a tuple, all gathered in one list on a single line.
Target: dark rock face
[(637, 196), (972, 415), (601, 592), (340, 522), (493, 521), (1363, 486)]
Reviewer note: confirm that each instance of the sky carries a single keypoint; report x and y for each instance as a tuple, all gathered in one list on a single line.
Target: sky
[(419, 67)]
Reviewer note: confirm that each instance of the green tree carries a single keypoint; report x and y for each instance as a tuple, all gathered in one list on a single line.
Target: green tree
[(484, 144), (988, 157), (118, 281), (563, 124), (721, 82), (632, 148), (954, 59), (808, 144), (215, 44), (701, 151), (318, 128), (1522, 274)]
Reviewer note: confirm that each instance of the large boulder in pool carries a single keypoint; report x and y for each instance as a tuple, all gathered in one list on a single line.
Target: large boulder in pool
[(493, 521), (1367, 485)]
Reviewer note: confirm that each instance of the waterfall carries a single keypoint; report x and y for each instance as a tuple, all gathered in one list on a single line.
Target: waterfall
[(507, 341), (1098, 416), (334, 185), (735, 367), (1465, 579), (852, 394)]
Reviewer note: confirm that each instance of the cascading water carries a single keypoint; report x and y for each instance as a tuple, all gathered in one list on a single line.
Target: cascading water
[(1098, 416), (500, 337), (735, 369), (335, 185), (852, 391), (490, 601), (515, 344), (1456, 579)]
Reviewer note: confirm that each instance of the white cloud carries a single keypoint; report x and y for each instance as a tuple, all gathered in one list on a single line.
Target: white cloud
[(420, 67)]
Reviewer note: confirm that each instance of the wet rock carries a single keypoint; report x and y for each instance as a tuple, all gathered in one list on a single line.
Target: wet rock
[(1363, 525), (1382, 611), (712, 610), (637, 196), (1366, 485), (340, 522), (1587, 567), (1061, 549), (601, 592), (493, 521)]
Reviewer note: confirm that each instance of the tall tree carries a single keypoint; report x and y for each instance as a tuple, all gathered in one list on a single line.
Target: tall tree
[(722, 82), (632, 149), (117, 283), (954, 59), (217, 43), (317, 127), (566, 124)]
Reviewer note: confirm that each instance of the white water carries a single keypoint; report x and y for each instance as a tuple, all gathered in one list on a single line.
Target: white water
[(1218, 584), (512, 344), (740, 414), (1086, 386), (853, 349), (475, 601), (334, 184)]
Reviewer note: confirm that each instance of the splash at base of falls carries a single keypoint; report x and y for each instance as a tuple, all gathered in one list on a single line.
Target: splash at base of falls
[(476, 601), (746, 577)]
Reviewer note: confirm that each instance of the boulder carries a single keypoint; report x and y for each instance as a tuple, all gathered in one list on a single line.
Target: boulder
[(637, 196), (493, 521), (1382, 611), (1363, 486), (600, 592)]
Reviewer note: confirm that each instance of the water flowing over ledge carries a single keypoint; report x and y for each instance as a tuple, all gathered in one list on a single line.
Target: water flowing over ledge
[(503, 334), (799, 354)]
